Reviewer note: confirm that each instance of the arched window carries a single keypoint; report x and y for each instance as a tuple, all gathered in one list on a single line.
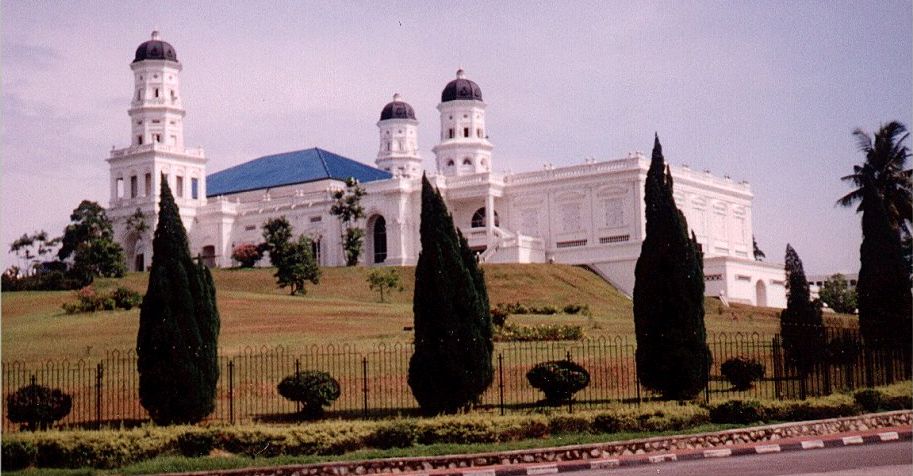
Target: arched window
[(379, 239), (478, 218), (467, 161), (450, 163), (209, 256)]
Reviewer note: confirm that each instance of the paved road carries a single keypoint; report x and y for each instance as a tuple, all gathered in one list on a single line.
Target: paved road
[(883, 459)]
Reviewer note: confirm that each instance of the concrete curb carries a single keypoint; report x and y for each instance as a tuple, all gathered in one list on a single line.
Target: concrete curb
[(793, 436)]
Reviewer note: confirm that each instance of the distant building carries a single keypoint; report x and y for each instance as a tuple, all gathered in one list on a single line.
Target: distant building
[(590, 213), (816, 282)]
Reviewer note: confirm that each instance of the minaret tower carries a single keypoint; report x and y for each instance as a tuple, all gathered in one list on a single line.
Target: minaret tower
[(156, 152), (464, 148), (398, 152)]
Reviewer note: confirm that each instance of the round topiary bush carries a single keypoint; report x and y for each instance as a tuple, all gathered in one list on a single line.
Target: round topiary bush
[(558, 379), (37, 407), (742, 372), (312, 388)]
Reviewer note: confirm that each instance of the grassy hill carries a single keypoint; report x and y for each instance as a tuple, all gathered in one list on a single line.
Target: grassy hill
[(341, 309)]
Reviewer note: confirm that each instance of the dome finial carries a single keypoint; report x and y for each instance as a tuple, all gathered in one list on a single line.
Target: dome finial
[(397, 97), (155, 34), (461, 74)]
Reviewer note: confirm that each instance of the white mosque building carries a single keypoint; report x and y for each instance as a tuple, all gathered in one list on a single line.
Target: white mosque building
[(586, 214)]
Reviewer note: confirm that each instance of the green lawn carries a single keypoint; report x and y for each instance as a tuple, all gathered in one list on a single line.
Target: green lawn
[(341, 309)]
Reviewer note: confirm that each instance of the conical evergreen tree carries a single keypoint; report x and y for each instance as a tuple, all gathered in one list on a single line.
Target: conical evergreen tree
[(672, 353), (451, 366), (177, 342), (883, 290), (801, 325)]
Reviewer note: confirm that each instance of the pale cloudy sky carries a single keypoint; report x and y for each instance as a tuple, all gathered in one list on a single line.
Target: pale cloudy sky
[(766, 91)]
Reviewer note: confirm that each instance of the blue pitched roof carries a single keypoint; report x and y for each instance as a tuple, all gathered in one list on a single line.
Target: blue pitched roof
[(289, 168)]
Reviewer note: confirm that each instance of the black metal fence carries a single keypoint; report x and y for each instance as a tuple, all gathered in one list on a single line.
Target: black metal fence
[(374, 382)]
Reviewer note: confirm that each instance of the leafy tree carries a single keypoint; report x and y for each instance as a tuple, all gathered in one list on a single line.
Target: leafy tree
[(349, 210), (313, 389), (137, 222), (384, 280), (801, 325), (672, 354), (277, 237), (837, 294), (885, 198), (451, 366), (758, 254), (177, 342), (89, 239), (297, 265), (32, 248)]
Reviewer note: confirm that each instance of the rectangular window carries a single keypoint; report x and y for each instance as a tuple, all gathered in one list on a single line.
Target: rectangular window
[(157, 138), (250, 227), (139, 140), (134, 187), (179, 186), (479, 133), (156, 92), (450, 134), (148, 185), (119, 190), (194, 188), (465, 132)]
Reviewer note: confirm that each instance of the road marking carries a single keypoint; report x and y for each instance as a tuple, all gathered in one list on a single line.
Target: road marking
[(807, 445), (605, 463), (889, 436), (767, 449), (722, 453), (662, 458), (852, 440), (550, 469)]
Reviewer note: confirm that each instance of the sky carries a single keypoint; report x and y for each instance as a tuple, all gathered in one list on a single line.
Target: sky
[(767, 92)]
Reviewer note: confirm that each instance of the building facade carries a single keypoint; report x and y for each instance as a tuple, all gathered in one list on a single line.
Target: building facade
[(586, 214)]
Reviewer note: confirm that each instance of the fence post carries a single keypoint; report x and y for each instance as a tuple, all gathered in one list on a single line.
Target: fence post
[(364, 384), (778, 362), (501, 381), (297, 373), (570, 401), (99, 376), (231, 391)]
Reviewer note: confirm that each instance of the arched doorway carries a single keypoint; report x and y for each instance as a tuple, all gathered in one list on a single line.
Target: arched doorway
[(209, 256), (377, 229), (478, 218), (760, 294)]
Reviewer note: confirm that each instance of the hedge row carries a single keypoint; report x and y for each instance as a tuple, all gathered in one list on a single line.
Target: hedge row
[(112, 448)]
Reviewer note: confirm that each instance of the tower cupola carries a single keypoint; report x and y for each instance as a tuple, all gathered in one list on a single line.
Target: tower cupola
[(398, 128), (464, 147)]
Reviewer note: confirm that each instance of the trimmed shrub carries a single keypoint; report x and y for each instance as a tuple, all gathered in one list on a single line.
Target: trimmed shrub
[(126, 298), (573, 424), (395, 434), (550, 332), (869, 399), (737, 411), (196, 443), (547, 310), (498, 316), (17, 455), (312, 388), (247, 254), (558, 379), (742, 372), (37, 407)]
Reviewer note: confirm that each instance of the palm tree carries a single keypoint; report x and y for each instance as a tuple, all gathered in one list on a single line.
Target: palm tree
[(884, 169)]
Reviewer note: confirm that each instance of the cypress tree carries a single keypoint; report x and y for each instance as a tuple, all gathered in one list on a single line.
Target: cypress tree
[(451, 366), (672, 354), (177, 342), (801, 325), (883, 290)]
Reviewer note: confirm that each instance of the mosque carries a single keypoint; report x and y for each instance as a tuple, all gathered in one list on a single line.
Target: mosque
[(586, 214)]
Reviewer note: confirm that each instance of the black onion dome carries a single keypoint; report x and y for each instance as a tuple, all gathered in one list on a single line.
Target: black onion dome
[(397, 109), (155, 49), (461, 89)]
